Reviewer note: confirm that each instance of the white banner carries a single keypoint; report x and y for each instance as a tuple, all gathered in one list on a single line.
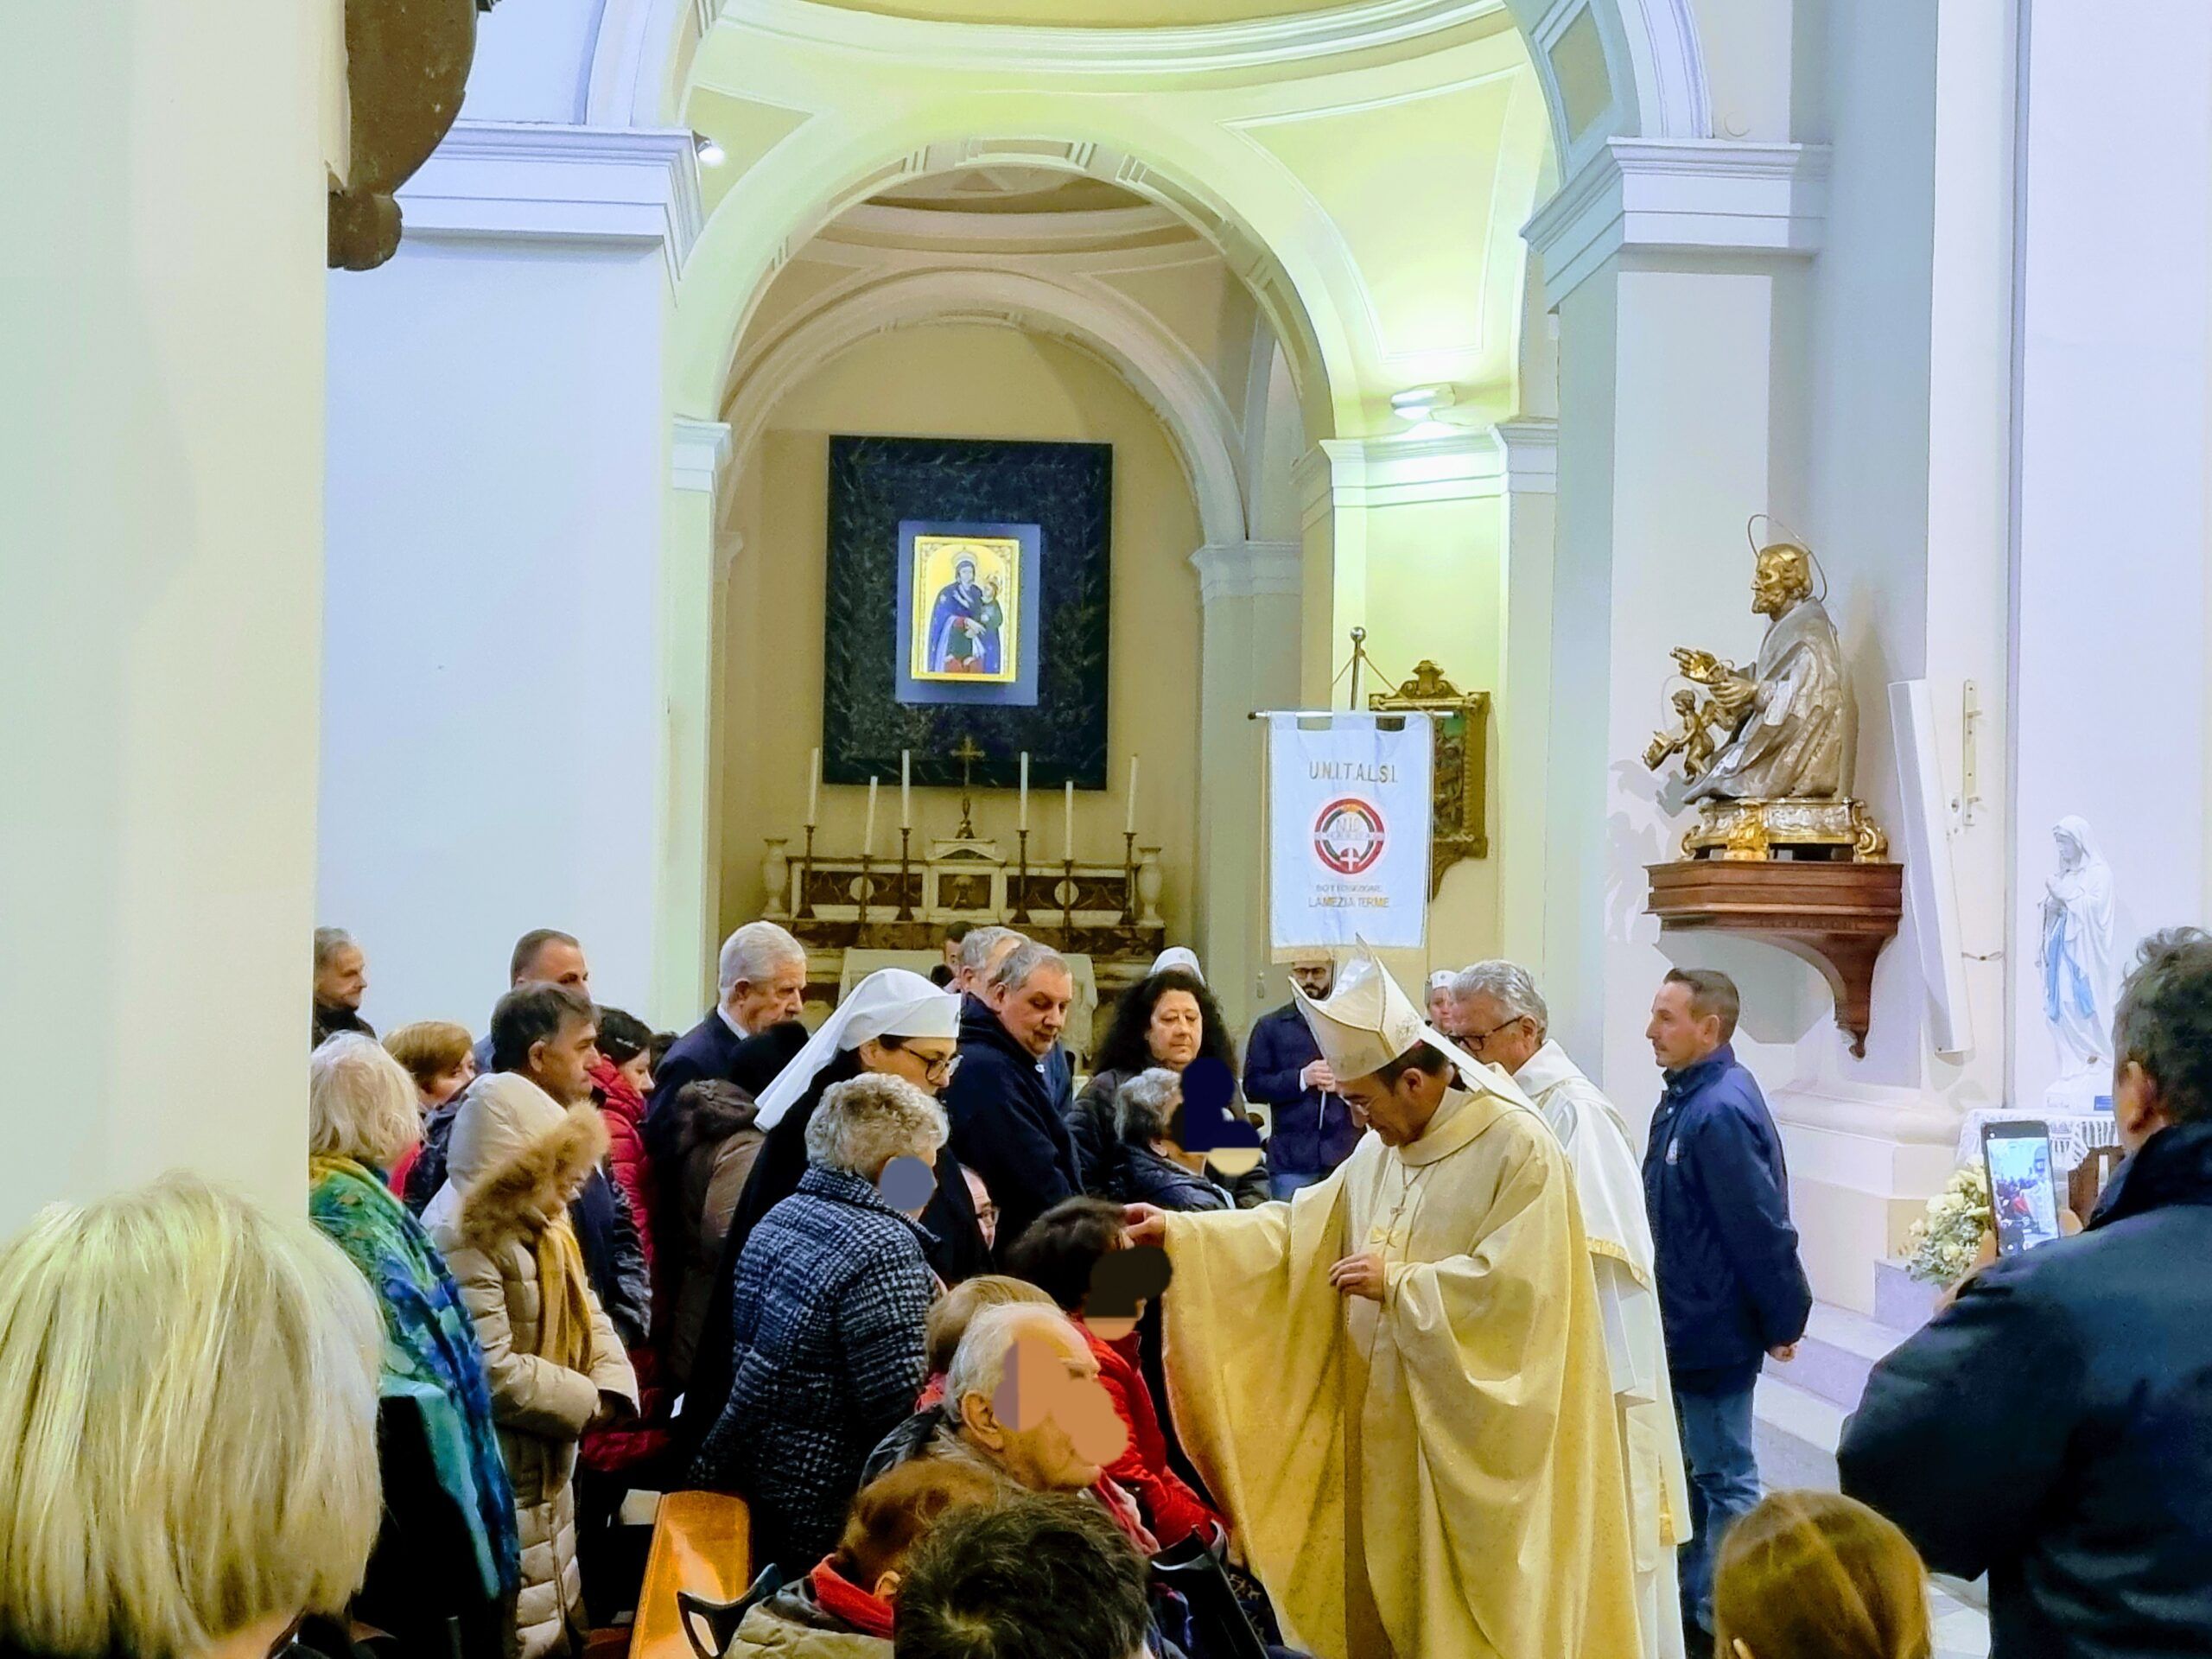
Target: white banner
[(1348, 830)]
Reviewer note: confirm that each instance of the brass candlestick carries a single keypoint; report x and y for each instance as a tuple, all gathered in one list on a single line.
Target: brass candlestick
[(1128, 878), (1022, 880), (1067, 901), (805, 905), (906, 903)]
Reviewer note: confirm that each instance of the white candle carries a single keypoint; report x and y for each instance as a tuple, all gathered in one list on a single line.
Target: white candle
[(1025, 789), (905, 790), (814, 792), (867, 835), (1133, 794), (1070, 826)]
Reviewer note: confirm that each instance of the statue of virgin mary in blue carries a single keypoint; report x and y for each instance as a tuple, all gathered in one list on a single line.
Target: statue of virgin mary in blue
[(965, 624)]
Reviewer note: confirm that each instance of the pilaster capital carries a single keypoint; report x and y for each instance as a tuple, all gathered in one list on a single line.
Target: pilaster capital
[(1680, 196), (1531, 448), (1458, 464), (1247, 569), (510, 181), (697, 452)]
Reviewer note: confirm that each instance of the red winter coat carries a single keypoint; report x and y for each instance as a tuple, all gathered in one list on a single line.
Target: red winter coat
[(622, 1108), (632, 1168), (1173, 1509)]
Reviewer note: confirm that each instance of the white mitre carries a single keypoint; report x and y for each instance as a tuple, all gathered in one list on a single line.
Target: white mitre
[(1369, 1020)]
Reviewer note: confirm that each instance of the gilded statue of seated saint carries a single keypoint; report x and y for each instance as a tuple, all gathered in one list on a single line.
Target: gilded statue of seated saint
[(1790, 717)]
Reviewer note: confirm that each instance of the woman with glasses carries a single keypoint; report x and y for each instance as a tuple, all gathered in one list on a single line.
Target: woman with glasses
[(893, 1024)]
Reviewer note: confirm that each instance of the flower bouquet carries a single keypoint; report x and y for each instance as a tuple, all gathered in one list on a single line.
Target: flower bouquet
[(1945, 1241)]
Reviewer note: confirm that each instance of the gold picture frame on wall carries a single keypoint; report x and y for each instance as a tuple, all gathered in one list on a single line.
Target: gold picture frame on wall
[(1460, 720)]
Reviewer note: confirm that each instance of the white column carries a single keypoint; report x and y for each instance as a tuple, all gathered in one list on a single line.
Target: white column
[(2110, 718), (1417, 525), (687, 899), (1519, 841), (504, 749), (1248, 662), (161, 479), (1674, 427)]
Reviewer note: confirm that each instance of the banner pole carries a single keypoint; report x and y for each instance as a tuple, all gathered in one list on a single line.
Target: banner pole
[(1359, 656)]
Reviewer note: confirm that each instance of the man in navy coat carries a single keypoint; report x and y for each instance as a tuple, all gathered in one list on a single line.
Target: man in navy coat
[(1732, 1290), (1006, 1126), (763, 981), (2053, 1426), (1312, 1129)]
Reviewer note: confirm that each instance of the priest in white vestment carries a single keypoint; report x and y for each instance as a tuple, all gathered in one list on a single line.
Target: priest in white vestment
[(1397, 1383), (1500, 1019)]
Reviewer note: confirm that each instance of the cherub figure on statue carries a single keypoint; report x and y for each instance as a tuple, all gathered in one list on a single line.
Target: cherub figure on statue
[(1692, 740)]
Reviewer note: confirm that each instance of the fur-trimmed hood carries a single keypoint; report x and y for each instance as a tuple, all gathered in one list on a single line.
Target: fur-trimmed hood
[(517, 1159)]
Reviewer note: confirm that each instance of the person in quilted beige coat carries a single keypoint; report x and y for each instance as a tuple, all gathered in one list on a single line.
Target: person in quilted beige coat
[(555, 1366)]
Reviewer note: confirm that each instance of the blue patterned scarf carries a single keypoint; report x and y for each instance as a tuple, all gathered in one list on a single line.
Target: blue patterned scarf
[(430, 1354)]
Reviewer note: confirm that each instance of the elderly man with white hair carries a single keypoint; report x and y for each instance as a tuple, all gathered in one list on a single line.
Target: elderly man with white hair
[(826, 1323), (763, 980), (1502, 1021)]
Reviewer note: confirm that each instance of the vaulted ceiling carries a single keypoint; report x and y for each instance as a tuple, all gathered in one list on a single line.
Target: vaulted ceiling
[(1096, 14)]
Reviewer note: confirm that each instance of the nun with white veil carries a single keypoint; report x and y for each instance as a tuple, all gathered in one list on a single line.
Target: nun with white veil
[(896, 1023)]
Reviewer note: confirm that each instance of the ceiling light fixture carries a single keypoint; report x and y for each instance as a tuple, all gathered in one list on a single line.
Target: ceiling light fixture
[(1418, 406), (711, 153)]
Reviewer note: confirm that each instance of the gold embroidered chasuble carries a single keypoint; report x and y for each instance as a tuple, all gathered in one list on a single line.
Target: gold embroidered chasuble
[(1438, 1474)]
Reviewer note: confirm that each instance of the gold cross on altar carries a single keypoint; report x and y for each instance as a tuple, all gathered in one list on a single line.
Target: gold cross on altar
[(967, 755)]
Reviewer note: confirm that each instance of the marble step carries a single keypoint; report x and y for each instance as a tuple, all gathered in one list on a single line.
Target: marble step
[(1902, 1301), (1838, 1349), (1796, 1433)]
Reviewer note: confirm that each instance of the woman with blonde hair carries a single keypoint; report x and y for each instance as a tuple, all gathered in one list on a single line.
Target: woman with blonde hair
[(188, 1422), (445, 1569), (1817, 1575)]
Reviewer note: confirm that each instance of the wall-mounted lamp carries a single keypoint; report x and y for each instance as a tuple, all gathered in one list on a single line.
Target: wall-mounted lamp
[(1419, 405), (711, 153)]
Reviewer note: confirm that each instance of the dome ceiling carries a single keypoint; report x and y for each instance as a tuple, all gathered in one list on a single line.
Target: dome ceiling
[(1008, 190), (1093, 14)]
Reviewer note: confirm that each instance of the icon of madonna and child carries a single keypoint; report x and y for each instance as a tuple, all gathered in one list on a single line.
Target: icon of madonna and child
[(965, 619)]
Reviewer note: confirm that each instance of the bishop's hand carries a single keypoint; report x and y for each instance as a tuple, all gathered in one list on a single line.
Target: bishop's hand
[(1359, 1275), (1147, 1223)]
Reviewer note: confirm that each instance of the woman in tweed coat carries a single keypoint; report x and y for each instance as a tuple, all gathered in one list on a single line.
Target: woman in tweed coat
[(832, 1288)]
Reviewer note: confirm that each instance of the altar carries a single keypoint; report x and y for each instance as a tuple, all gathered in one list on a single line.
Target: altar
[(856, 914)]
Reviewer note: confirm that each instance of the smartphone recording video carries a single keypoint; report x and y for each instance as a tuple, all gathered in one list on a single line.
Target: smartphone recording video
[(2023, 1191)]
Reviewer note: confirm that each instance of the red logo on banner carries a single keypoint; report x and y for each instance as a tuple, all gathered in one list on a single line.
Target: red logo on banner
[(1348, 835)]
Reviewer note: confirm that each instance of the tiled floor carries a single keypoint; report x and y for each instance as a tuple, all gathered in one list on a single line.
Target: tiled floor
[(1961, 1632)]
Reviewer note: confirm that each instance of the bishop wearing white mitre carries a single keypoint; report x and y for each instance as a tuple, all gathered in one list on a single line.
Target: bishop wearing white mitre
[(1397, 1383)]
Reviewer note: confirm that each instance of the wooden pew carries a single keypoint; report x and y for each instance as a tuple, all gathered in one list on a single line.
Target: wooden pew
[(703, 1542)]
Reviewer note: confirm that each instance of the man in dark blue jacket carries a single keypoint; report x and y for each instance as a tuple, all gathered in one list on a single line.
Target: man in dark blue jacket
[(2053, 1426), (763, 979), (1312, 1131), (1005, 1126), (1732, 1290)]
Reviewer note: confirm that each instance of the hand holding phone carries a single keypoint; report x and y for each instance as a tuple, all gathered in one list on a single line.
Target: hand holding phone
[(2023, 1187)]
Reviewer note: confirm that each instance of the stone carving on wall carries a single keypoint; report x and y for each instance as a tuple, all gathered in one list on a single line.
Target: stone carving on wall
[(2077, 957), (407, 65)]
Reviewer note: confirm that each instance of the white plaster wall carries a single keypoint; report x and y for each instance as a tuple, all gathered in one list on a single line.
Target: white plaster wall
[(1866, 498), (497, 470), (2116, 265), (533, 59), (161, 464)]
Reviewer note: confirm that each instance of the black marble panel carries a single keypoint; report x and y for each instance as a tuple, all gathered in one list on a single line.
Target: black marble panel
[(1066, 489)]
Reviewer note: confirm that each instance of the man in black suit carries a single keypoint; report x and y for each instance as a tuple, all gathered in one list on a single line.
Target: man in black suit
[(763, 980), (1004, 1123)]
